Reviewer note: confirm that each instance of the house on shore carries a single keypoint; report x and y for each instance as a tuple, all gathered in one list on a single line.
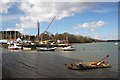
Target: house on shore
[(6, 36)]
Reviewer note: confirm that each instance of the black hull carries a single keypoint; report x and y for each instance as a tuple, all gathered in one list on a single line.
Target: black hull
[(47, 50), (69, 49)]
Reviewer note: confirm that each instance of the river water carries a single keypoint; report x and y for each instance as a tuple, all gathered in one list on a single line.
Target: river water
[(34, 64)]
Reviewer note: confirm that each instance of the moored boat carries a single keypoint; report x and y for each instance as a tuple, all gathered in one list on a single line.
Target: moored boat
[(26, 48), (14, 46), (62, 45), (46, 49), (68, 48)]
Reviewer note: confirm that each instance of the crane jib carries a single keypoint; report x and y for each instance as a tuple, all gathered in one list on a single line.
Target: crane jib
[(49, 24)]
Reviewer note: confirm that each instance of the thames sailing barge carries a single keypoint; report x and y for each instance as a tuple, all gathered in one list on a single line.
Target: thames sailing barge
[(89, 65)]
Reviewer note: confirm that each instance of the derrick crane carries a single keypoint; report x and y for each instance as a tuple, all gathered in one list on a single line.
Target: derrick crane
[(101, 61), (48, 27), (104, 58), (49, 24)]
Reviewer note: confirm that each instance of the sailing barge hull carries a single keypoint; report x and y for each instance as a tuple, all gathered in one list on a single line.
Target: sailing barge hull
[(46, 50)]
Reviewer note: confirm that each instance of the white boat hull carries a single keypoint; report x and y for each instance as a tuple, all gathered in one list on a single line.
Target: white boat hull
[(69, 48), (14, 48), (26, 48), (46, 49)]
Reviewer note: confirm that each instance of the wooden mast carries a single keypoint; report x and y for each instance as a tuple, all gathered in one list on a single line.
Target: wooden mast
[(38, 30)]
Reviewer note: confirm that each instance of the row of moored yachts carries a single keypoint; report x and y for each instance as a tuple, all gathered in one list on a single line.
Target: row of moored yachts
[(17, 46)]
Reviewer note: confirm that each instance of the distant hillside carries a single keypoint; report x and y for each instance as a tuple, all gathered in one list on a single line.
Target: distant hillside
[(71, 38), (113, 41)]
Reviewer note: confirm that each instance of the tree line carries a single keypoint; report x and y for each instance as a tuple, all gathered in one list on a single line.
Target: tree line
[(70, 38)]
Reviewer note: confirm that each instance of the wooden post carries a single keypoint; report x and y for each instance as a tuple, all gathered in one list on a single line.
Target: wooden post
[(6, 34), (15, 34), (10, 35)]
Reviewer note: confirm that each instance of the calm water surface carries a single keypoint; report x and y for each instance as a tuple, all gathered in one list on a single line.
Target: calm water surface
[(34, 64)]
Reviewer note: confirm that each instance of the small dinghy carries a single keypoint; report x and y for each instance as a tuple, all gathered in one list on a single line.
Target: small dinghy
[(68, 48), (14, 46), (88, 65)]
